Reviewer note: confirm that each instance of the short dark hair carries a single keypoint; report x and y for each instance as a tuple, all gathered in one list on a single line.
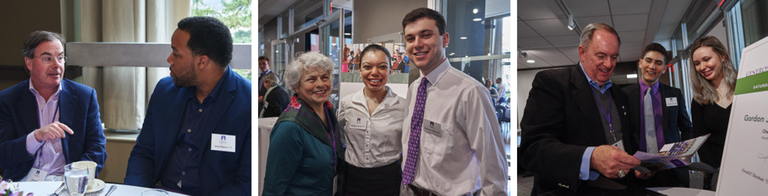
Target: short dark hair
[(208, 36), (264, 58), (419, 13), (655, 47), (35, 38), (373, 48)]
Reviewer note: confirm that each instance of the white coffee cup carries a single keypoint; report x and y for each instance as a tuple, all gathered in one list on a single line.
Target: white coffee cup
[(91, 171)]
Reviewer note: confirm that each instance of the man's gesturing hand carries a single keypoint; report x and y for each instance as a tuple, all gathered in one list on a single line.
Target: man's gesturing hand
[(52, 131)]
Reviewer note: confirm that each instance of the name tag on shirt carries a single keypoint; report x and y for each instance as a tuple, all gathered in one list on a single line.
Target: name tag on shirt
[(432, 128), (671, 101), (358, 123), (222, 142), (36, 175), (619, 144)]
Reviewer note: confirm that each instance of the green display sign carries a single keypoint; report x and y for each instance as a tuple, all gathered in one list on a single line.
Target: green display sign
[(751, 84)]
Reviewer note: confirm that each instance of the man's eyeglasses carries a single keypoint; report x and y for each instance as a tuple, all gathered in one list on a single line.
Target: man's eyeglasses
[(48, 59)]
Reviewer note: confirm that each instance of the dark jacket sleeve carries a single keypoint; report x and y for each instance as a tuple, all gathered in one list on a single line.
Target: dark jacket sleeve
[(543, 131), (95, 141), (684, 121)]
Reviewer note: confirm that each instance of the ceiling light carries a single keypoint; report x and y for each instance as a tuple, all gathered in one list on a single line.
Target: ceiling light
[(463, 38), (474, 11), (629, 76), (347, 34), (571, 23), (530, 61), (451, 54), (477, 19)]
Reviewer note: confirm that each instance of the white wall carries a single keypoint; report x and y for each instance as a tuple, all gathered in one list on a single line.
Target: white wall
[(524, 80)]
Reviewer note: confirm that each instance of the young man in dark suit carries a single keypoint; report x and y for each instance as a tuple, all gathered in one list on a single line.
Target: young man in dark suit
[(659, 111), (196, 137)]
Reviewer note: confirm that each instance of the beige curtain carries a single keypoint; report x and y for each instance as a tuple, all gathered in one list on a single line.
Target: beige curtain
[(125, 91)]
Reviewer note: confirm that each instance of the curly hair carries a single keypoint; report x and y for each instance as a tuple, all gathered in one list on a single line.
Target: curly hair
[(310, 61)]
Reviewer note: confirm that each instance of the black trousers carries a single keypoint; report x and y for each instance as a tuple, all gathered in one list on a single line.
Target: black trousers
[(384, 180)]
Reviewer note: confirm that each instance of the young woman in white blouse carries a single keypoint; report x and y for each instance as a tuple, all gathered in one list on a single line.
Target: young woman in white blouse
[(371, 120)]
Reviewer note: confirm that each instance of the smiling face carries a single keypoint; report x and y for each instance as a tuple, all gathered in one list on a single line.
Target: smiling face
[(708, 63), (263, 65), (424, 45), (599, 57), (314, 87), (44, 69), (374, 70), (182, 61), (651, 67)]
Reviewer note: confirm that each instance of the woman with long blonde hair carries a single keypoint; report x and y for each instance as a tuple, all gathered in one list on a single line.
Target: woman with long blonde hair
[(714, 80)]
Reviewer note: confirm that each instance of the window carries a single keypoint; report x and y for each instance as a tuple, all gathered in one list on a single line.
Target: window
[(236, 14)]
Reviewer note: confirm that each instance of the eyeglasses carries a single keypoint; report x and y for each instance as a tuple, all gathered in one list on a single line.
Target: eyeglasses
[(48, 59)]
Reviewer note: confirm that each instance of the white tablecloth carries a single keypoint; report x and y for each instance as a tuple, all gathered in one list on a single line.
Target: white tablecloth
[(265, 127), (47, 188), (680, 191)]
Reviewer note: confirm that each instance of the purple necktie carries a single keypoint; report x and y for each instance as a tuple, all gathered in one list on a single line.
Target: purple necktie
[(413, 141)]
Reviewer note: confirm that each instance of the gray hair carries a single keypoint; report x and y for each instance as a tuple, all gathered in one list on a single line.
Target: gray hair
[(271, 77), (310, 61), (586, 34)]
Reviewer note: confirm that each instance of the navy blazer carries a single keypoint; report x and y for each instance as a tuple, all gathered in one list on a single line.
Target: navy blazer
[(676, 120), (220, 173), (561, 119), (79, 109)]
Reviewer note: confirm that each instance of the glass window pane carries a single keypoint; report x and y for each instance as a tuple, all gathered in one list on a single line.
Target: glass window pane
[(307, 13)]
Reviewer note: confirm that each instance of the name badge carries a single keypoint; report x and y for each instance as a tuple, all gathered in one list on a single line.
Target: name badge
[(671, 101), (36, 175), (358, 123), (619, 144), (222, 142), (432, 128)]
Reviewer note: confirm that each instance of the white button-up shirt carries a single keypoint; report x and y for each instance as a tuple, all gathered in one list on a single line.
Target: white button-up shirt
[(461, 148), (372, 140), (51, 157)]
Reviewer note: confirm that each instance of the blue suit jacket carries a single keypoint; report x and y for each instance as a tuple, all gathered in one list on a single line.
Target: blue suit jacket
[(79, 109), (222, 173)]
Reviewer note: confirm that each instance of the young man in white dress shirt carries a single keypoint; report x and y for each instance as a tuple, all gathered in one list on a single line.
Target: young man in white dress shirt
[(457, 147)]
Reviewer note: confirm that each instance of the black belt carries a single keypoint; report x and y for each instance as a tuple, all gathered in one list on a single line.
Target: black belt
[(419, 191)]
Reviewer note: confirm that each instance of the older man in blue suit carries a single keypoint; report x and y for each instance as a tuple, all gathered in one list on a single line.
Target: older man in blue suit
[(196, 137), (47, 121)]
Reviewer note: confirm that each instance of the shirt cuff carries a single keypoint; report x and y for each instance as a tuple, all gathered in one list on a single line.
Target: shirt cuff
[(32, 143), (584, 172)]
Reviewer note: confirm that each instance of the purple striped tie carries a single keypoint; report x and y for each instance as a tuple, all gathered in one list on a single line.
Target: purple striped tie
[(413, 142)]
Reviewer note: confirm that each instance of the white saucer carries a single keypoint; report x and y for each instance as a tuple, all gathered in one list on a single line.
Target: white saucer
[(97, 186)]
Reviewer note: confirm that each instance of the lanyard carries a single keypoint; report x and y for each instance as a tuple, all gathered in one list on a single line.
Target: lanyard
[(607, 115), (332, 134), (40, 150)]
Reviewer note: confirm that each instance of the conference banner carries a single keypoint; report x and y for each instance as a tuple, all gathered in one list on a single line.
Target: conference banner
[(743, 170)]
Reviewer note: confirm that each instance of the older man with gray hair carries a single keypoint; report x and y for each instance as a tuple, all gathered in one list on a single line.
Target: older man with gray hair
[(572, 117)]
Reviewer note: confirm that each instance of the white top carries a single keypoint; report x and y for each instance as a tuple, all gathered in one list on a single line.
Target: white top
[(48, 155), (461, 149), (372, 140)]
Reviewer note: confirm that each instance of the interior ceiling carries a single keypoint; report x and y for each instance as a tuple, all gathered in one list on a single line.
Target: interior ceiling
[(269, 9), (542, 30)]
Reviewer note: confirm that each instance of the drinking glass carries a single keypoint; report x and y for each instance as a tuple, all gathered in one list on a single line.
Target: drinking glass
[(76, 179)]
